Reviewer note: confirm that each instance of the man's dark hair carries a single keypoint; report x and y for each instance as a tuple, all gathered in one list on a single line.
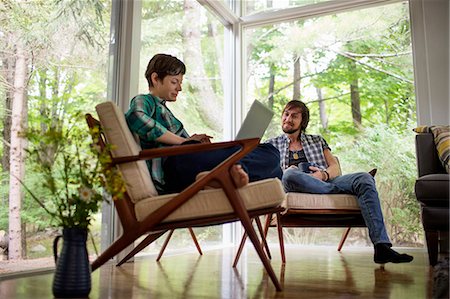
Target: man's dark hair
[(304, 110), (163, 65)]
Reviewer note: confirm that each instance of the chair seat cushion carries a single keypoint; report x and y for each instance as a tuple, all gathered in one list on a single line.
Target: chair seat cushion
[(433, 189), (307, 201), (213, 202)]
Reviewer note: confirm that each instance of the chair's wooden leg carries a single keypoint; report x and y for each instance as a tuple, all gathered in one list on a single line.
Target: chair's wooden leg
[(432, 238), (245, 220), (194, 238), (144, 243), (267, 224), (280, 237), (163, 248), (343, 238), (240, 210), (241, 247), (263, 238), (116, 247)]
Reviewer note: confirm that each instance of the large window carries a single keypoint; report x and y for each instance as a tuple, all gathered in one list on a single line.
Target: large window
[(350, 61), (354, 71), (53, 66), (196, 37)]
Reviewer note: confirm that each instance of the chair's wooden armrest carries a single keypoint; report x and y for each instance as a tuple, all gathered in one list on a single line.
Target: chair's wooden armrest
[(184, 149)]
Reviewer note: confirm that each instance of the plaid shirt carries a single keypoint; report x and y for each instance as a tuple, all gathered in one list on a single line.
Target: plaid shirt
[(313, 145), (149, 118)]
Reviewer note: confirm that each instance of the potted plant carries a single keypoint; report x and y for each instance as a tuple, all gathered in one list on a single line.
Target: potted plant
[(74, 176)]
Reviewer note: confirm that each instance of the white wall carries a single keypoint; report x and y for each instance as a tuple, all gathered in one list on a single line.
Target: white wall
[(430, 37)]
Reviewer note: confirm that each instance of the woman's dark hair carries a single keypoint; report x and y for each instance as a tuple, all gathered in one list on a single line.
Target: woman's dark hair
[(304, 110), (163, 65)]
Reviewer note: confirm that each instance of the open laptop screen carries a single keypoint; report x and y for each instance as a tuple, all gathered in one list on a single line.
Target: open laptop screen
[(256, 122)]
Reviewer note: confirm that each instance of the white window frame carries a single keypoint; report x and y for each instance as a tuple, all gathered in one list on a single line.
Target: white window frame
[(430, 33)]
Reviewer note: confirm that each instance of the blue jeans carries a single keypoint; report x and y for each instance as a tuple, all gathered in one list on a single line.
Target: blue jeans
[(180, 171), (360, 184)]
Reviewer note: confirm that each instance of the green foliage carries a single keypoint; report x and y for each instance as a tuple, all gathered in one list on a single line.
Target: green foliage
[(393, 154), (71, 173)]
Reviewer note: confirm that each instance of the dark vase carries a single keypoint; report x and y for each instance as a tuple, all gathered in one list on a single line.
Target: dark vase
[(72, 277)]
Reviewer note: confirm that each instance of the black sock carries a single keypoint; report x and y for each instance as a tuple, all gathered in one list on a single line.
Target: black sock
[(384, 254)]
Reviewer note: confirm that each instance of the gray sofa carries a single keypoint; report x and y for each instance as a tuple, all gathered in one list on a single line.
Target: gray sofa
[(432, 191)]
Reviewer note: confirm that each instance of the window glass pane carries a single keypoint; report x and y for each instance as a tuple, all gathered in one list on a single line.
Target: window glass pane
[(256, 6), (197, 38), (53, 67), (354, 70)]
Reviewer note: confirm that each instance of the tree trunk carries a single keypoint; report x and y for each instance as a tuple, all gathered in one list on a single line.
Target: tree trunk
[(17, 154), (354, 95), (322, 109), (219, 51), (297, 73), (9, 65), (209, 107), (271, 85)]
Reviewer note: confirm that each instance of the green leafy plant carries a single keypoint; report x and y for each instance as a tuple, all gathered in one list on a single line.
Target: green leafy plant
[(73, 173)]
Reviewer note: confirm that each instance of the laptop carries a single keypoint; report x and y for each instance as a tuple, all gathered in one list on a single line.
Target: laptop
[(256, 122)]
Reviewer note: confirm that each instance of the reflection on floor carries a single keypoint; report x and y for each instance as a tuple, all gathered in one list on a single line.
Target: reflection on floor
[(310, 272)]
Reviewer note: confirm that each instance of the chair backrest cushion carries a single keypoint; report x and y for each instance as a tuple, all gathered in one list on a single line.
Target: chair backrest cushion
[(136, 175)]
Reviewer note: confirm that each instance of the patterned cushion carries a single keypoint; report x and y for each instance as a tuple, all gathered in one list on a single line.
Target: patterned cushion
[(441, 136)]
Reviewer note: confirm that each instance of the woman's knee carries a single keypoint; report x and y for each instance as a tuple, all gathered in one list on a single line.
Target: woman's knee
[(271, 153)]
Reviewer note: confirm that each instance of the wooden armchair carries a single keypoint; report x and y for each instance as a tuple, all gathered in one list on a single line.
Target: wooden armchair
[(143, 212)]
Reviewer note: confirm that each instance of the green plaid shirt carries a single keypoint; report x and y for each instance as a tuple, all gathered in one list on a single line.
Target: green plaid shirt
[(149, 118)]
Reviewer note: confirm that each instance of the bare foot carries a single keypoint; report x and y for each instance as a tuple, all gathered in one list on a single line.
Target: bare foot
[(239, 176)]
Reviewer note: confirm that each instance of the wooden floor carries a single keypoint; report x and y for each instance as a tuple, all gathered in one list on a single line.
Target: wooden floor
[(310, 272)]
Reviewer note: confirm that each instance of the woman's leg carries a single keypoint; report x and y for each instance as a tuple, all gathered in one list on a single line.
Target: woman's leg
[(262, 163), (180, 171)]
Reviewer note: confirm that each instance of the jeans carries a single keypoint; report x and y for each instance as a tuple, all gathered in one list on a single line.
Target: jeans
[(180, 171), (360, 184)]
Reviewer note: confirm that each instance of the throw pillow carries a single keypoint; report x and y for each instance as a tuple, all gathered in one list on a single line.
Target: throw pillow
[(441, 136)]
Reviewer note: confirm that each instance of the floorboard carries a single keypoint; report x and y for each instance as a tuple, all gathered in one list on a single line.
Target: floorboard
[(310, 272)]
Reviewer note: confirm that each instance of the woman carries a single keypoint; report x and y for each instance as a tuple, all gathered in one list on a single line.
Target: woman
[(156, 126)]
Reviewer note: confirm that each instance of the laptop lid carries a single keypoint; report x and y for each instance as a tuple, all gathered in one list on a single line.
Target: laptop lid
[(256, 122)]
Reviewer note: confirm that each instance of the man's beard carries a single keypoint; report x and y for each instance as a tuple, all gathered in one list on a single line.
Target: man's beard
[(291, 131)]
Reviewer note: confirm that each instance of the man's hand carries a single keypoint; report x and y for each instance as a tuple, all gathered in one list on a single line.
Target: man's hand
[(316, 172)]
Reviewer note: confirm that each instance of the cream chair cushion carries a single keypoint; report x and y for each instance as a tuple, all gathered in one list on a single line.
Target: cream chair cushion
[(136, 175), (213, 202), (307, 201)]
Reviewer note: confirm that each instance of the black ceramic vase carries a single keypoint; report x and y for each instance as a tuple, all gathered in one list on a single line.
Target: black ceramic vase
[(72, 277)]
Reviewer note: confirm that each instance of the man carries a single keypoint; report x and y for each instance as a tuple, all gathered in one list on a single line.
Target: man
[(154, 123), (297, 147)]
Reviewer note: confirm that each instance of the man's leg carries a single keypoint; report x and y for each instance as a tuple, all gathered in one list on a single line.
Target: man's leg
[(362, 185), (295, 180)]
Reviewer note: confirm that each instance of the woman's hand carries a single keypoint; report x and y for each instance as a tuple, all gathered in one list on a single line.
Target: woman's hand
[(203, 138)]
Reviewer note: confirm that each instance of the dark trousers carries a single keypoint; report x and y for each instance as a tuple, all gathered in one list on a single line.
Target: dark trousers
[(180, 171)]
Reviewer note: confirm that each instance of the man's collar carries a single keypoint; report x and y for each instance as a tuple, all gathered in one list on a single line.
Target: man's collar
[(301, 137)]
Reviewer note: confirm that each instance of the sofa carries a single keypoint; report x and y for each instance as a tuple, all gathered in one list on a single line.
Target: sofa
[(432, 191)]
